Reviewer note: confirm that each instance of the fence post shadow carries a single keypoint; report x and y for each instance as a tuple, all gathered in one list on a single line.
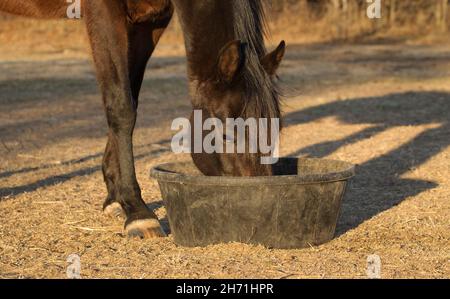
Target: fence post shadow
[(378, 185)]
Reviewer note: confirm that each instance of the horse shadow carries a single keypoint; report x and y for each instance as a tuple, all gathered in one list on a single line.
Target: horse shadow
[(154, 149), (378, 185)]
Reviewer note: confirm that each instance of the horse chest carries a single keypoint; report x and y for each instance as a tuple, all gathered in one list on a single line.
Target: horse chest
[(147, 10)]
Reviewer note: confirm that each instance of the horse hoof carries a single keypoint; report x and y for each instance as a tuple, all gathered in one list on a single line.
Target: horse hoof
[(145, 229), (114, 210)]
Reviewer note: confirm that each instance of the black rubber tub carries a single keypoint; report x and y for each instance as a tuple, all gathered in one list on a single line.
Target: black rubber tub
[(296, 208)]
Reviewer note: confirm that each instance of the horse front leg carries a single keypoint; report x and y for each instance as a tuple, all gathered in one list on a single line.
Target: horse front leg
[(121, 49)]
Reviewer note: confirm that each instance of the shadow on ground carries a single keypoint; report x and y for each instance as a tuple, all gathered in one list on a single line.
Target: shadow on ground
[(378, 185), (161, 147), (71, 108)]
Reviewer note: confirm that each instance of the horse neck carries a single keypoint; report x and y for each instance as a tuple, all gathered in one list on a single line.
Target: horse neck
[(207, 26)]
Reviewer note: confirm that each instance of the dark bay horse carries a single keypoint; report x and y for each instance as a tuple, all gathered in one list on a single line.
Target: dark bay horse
[(230, 75)]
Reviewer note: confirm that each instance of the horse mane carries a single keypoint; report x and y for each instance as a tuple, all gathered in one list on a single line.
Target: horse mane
[(250, 27)]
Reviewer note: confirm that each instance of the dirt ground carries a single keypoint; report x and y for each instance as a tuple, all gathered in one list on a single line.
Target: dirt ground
[(382, 106)]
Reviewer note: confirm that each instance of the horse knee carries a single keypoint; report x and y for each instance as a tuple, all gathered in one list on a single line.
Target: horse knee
[(121, 116)]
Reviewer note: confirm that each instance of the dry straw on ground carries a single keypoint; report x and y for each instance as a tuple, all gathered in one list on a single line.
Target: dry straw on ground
[(383, 106)]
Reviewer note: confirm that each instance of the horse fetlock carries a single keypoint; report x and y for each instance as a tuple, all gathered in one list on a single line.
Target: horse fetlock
[(144, 229), (114, 210)]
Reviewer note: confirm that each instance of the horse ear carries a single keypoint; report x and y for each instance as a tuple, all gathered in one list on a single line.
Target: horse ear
[(272, 61), (231, 59)]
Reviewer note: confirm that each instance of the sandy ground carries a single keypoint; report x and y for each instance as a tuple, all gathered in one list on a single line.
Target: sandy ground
[(382, 106)]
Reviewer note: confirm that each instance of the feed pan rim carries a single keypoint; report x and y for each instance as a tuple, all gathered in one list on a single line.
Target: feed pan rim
[(348, 171)]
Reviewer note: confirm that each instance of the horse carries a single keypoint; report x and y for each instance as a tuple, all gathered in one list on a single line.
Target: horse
[(230, 75)]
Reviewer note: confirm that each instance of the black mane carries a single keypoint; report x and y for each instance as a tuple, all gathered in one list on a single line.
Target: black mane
[(250, 28)]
